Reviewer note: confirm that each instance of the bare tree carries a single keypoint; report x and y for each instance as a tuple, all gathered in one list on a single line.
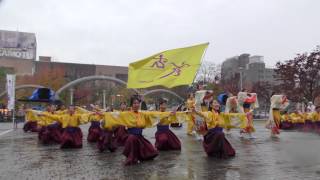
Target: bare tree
[(209, 72)]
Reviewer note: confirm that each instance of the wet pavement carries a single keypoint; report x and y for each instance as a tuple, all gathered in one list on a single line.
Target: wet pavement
[(295, 155)]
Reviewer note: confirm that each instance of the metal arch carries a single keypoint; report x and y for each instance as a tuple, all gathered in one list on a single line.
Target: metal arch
[(163, 90), (23, 86), (89, 78)]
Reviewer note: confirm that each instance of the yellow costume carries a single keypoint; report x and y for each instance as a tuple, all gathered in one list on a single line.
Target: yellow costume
[(315, 116), (67, 120), (143, 119), (278, 102), (285, 118), (234, 120), (190, 125), (31, 116), (212, 119), (44, 119), (297, 118)]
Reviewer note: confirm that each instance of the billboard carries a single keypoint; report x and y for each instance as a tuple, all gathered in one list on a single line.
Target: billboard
[(17, 53), (16, 44)]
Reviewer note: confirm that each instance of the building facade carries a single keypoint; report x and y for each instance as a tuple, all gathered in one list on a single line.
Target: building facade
[(251, 68), (18, 54)]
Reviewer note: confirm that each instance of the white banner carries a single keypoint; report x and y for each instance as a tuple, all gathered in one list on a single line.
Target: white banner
[(17, 53), (11, 81)]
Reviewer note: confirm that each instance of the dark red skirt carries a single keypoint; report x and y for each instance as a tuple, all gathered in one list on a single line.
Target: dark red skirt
[(317, 127), (299, 126), (216, 145), (308, 126), (55, 132), (71, 138), (286, 125), (166, 140), (50, 134), (30, 126), (107, 141), (121, 135), (94, 132), (44, 135), (137, 148)]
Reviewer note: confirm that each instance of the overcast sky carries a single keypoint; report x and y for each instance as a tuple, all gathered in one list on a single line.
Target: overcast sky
[(122, 31)]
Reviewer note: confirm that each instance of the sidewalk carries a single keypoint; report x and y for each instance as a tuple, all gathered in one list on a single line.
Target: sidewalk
[(7, 127)]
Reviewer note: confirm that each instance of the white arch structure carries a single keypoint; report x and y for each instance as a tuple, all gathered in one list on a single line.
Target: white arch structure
[(90, 78), (163, 90), (23, 86)]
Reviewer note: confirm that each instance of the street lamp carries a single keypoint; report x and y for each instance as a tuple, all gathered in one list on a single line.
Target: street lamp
[(240, 70)]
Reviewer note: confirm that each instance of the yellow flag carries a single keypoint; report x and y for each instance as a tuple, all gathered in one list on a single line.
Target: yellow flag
[(168, 68)]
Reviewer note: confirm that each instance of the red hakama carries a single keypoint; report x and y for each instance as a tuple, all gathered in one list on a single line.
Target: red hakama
[(50, 134), (137, 148), (216, 145), (121, 135), (94, 131), (308, 126), (166, 139), (71, 138), (30, 126), (107, 141), (285, 125)]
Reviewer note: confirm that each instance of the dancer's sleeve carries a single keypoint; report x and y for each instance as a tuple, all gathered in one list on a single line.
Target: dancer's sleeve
[(308, 116), (213, 120), (83, 118), (207, 116), (314, 116), (164, 118), (50, 118), (61, 112), (30, 115), (80, 110), (114, 119), (295, 118), (234, 120), (94, 117)]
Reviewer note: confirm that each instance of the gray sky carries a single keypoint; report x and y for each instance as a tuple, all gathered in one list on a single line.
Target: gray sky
[(122, 31)]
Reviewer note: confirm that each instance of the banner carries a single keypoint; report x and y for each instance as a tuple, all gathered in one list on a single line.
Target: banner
[(168, 68), (11, 80)]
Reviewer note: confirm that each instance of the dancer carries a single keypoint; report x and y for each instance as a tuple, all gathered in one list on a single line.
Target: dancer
[(50, 132), (248, 102), (72, 134), (165, 138), (31, 121), (316, 119), (278, 102), (286, 122), (94, 129), (107, 139), (136, 147), (297, 119), (120, 132), (215, 144), (190, 105), (201, 98), (232, 108)]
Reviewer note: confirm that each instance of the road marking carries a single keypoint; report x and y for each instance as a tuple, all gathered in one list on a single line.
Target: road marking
[(5, 132)]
